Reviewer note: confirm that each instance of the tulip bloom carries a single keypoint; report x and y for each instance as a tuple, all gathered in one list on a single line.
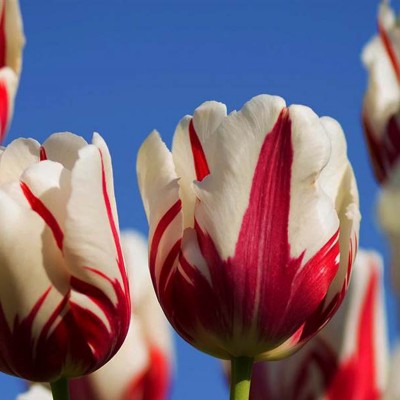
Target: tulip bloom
[(381, 103), (141, 370), (347, 359), (11, 43), (64, 297), (253, 226)]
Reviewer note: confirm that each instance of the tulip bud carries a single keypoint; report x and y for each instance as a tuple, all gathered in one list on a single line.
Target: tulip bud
[(253, 226), (64, 297)]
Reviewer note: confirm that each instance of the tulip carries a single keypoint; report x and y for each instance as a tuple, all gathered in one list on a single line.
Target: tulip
[(64, 297), (347, 359), (36, 392), (253, 227), (11, 43), (380, 113), (141, 370)]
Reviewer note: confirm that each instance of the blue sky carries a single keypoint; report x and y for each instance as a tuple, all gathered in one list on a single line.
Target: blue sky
[(124, 68)]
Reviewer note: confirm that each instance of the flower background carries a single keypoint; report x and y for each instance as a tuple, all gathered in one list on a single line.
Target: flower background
[(126, 67)]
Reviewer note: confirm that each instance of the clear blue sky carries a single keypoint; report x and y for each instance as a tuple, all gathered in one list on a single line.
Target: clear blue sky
[(125, 67)]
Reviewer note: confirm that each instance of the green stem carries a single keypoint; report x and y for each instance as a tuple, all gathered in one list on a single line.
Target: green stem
[(240, 377), (60, 389)]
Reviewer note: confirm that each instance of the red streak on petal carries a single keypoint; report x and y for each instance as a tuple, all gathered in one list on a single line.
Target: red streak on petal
[(37, 206), (115, 233), (98, 272), (199, 158), (390, 50), (3, 42), (4, 110), (43, 155), (37, 306), (165, 221)]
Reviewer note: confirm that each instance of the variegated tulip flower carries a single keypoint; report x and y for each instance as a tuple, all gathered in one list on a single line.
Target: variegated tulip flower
[(11, 43), (142, 369), (348, 359), (253, 228), (64, 297), (36, 392), (381, 106)]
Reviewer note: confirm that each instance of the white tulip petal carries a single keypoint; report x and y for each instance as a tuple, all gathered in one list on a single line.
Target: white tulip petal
[(205, 121), (91, 242), (19, 155), (63, 148), (312, 219), (159, 188)]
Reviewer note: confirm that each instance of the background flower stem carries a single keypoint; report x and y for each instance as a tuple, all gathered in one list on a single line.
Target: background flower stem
[(60, 389), (241, 377)]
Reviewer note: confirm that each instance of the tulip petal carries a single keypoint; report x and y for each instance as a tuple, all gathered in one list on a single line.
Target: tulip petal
[(49, 183), (159, 188), (63, 148), (191, 139), (19, 155), (91, 242)]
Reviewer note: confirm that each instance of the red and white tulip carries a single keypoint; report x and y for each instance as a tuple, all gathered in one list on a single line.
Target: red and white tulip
[(64, 296), (253, 226), (348, 359), (381, 106), (11, 43), (142, 369)]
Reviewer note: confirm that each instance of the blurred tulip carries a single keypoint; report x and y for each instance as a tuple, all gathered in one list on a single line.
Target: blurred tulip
[(11, 43), (381, 106), (36, 392), (64, 297), (348, 359), (141, 370), (253, 226)]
